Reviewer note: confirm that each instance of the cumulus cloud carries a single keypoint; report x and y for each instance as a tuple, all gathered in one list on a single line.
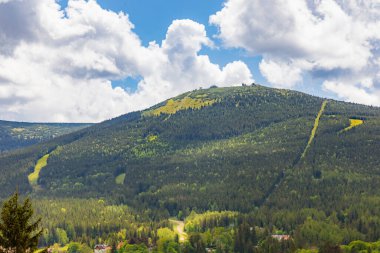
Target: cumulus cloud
[(353, 93), (337, 41), (279, 73), (57, 65)]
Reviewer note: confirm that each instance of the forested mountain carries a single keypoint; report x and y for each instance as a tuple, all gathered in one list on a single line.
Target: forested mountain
[(15, 135), (280, 155)]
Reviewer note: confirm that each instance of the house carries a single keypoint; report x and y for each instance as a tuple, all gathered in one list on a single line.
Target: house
[(102, 248), (281, 237)]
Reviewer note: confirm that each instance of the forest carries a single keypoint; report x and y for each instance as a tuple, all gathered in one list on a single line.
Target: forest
[(14, 135), (74, 225), (238, 166)]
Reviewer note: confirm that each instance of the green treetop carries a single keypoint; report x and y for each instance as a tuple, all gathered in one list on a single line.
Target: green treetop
[(18, 232)]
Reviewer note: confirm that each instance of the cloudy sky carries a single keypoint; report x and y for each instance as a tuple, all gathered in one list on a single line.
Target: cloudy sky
[(87, 60)]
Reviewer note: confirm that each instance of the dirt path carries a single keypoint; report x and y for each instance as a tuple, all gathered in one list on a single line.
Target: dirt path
[(179, 227)]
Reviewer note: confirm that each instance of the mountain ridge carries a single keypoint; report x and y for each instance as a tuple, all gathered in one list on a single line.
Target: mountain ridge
[(189, 145), (14, 135)]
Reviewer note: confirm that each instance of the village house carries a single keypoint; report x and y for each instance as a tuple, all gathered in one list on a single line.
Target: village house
[(281, 237), (102, 248)]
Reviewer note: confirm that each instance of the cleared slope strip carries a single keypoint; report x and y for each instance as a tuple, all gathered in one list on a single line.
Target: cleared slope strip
[(41, 163), (282, 175), (315, 128)]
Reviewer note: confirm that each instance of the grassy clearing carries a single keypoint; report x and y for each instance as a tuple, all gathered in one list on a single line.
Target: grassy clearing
[(17, 130), (33, 177), (353, 123), (41, 163), (315, 128), (152, 138), (173, 106), (120, 179)]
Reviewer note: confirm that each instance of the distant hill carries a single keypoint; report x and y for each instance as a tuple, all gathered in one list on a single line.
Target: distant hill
[(15, 135), (240, 148)]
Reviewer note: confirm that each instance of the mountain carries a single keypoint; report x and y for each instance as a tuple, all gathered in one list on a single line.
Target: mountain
[(240, 148), (15, 135)]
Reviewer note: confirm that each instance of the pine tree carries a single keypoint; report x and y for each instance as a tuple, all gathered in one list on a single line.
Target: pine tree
[(18, 232)]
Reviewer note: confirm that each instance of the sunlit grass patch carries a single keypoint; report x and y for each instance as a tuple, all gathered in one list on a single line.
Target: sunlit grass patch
[(18, 130), (353, 123), (152, 137), (33, 177), (172, 106), (120, 179)]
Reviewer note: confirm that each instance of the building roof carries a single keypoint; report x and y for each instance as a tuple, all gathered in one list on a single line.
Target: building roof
[(281, 237)]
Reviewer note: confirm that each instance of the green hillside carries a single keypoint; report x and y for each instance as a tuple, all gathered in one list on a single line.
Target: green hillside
[(280, 155), (15, 135)]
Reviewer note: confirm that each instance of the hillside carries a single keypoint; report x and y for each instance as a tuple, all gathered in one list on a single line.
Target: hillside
[(15, 135), (277, 153)]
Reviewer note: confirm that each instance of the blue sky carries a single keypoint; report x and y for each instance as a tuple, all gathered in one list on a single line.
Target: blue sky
[(87, 56), (153, 17)]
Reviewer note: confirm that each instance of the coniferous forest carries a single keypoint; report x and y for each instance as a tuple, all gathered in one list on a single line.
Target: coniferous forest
[(242, 169)]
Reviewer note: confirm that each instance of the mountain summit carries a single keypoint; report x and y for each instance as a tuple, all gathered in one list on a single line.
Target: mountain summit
[(238, 148)]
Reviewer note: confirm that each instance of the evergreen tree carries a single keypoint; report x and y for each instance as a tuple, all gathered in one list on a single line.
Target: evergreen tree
[(18, 232), (197, 243), (245, 238), (330, 248)]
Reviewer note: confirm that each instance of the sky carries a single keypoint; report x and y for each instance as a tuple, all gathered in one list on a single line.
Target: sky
[(88, 60)]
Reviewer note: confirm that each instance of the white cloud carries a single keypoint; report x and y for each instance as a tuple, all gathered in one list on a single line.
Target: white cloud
[(282, 75), (353, 93), (327, 39), (185, 38), (56, 65)]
